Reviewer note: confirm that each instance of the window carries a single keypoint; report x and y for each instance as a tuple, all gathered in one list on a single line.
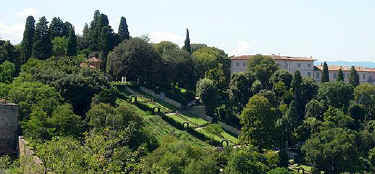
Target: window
[(334, 75), (309, 65), (363, 76), (309, 74), (243, 64), (237, 64), (299, 65)]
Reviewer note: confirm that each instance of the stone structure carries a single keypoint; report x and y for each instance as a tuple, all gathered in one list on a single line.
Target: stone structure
[(304, 64), (366, 75), (8, 127), (92, 62), (30, 163)]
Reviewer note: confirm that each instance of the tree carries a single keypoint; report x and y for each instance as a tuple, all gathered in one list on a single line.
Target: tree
[(7, 72), (63, 122), (314, 109), (106, 42), (258, 123), (336, 94), (246, 161), (136, 59), (180, 157), (340, 76), (325, 73), (123, 31), (177, 65), (282, 75), (187, 45), (279, 171), (42, 46), (239, 90), (28, 38), (333, 151), (207, 92), (207, 58), (59, 47), (57, 28), (354, 77), (364, 95), (262, 67), (72, 44)]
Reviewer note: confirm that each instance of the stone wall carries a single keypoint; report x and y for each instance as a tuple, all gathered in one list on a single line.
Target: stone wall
[(8, 127), (161, 97), (30, 163)]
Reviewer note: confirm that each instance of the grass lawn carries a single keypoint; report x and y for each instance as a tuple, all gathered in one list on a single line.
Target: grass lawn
[(223, 135), (159, 128)]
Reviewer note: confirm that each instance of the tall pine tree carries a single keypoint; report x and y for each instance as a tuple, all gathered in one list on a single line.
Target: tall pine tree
[(325, 73), (28, 37), (354, 77), (123, 31), (187, 45), (297, 94), (57, 28), (340, 77), (72, 44), (42, 46)]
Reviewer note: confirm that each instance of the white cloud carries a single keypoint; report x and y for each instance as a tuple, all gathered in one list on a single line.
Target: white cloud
[(11, 32), (27, 12), (157, 37), (243, 47)]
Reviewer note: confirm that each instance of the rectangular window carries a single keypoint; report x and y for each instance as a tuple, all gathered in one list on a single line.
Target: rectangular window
[(299, 65), (237, 64), (364, 76), (243, 64)]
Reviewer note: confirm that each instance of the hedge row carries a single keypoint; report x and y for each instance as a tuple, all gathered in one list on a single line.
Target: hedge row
[(180, 126)]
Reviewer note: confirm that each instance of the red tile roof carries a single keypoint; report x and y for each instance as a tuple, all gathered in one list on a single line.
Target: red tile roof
[(346, 68), (275, 57)]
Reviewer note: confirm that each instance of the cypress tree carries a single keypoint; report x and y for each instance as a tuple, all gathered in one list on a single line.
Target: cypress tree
[(187, 45), (340, 77), (72, 44), (27, 41), (57, 28), (354, 77), (106, 40), (325, 73), (297, 93), (42, 46), (123, 31)]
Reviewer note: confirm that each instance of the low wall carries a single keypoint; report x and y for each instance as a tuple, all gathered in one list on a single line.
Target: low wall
[(30, 163), (164, 98)]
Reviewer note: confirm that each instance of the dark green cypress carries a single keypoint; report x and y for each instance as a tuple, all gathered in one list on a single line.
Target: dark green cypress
[(57, 28), (42, 46), (72, 44), (354, 77), (340, 77), (27, 41), (297, 94), (123, 31), (187, 45), (325, 73)]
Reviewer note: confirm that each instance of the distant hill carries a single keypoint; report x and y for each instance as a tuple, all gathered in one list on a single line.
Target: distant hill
[(349, 63)]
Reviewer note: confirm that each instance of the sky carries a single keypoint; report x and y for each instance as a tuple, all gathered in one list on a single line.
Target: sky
[(324, 29)]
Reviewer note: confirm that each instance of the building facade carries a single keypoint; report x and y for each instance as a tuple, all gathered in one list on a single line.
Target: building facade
[(366, 75), (304, 64)]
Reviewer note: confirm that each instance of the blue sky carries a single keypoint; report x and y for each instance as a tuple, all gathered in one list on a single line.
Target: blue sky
[(324, 29)]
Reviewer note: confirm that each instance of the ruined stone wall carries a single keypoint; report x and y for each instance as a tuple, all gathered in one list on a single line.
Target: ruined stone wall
[(30, 163), (8, 127)]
